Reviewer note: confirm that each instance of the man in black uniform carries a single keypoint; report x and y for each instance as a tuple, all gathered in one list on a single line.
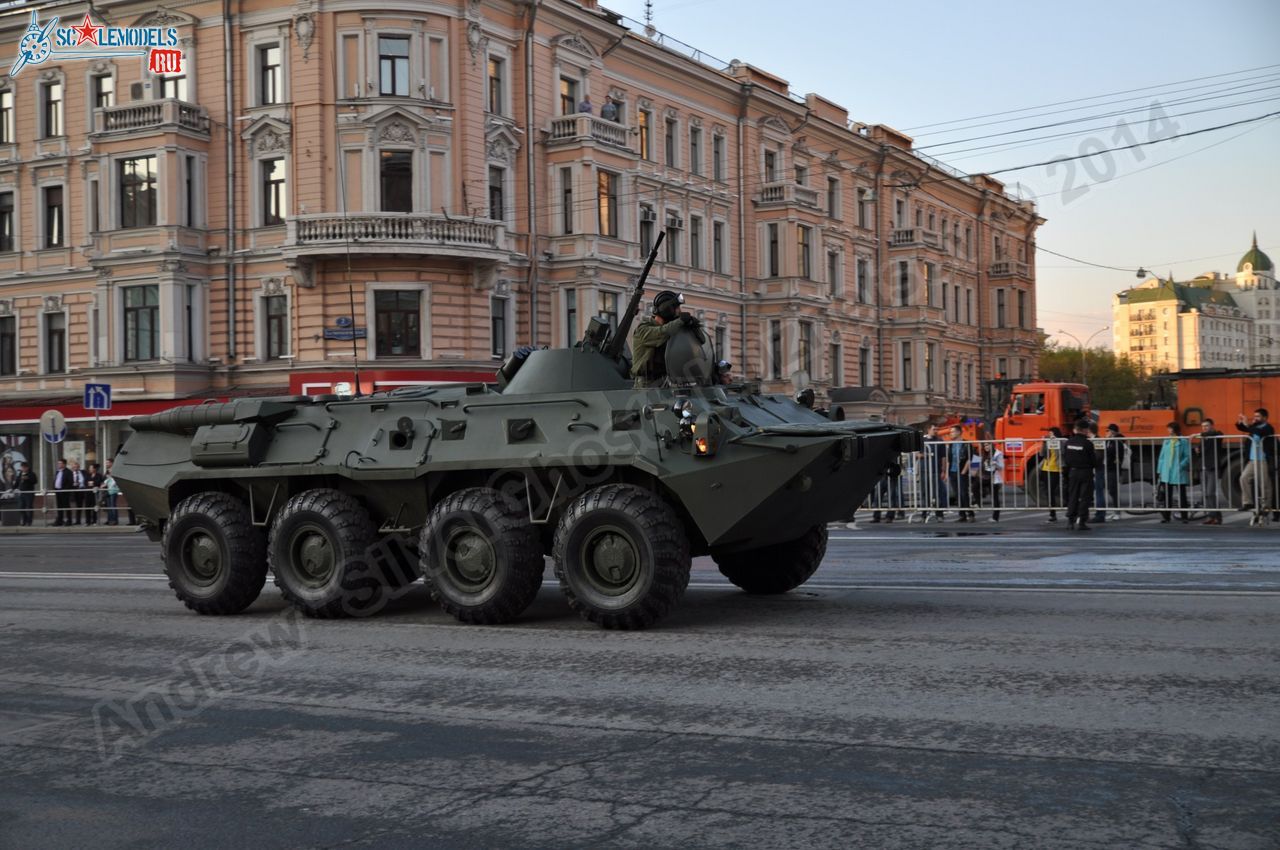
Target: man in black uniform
[(1079, 460)]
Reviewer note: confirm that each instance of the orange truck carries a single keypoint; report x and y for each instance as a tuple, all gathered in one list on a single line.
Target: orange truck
[(1029, 412), (1222, 395)]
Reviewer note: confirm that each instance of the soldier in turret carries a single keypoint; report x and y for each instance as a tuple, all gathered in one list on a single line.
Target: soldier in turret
[(649, 342)]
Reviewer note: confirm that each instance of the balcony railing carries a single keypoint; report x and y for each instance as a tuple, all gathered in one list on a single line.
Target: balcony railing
[(782, 193), (904, 236), (573, 128), (151, 115), (395, 232), (1009, 268)]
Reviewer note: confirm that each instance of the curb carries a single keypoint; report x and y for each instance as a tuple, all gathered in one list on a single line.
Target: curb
[(75, 529)]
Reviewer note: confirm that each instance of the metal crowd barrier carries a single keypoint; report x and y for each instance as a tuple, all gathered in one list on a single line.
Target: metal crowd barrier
[(84, 506), (1188, 478)]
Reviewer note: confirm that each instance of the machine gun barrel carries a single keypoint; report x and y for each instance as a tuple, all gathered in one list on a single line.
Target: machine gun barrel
[(619, 338)]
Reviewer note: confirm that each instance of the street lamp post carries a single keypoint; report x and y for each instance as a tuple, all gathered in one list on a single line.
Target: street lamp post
[(1084, 367)]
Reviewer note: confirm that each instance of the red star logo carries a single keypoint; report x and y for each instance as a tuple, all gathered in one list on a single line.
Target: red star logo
[(87, 31)]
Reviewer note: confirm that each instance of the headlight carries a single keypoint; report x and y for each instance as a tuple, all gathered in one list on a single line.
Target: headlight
[(708, 431)]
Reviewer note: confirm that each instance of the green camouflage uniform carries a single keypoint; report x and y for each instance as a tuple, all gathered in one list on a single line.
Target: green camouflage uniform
[(648, 342)]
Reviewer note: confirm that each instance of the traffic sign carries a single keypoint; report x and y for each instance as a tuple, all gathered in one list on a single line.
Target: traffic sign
[(53, 426), (97, 396)]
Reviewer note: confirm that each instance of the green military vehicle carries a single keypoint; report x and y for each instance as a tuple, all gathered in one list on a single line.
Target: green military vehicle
[(348, 500)]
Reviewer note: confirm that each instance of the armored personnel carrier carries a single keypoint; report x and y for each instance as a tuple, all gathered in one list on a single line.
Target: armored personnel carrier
[(563, 457)]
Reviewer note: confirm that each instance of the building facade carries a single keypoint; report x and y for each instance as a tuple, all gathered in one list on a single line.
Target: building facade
[(422, 186), (1216, 320)]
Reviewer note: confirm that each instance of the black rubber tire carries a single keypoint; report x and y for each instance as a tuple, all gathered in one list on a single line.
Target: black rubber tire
[(508, 575), (651, 535), (1036, 487), (319, 553), (218, 526), (775, 569), (1229, 492)]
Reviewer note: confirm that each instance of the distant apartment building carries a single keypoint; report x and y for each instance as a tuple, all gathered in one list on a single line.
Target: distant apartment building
[(421, 188), (1215, 320)]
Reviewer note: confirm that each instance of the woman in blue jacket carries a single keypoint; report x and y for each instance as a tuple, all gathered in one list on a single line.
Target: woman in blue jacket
[(1174, 470)]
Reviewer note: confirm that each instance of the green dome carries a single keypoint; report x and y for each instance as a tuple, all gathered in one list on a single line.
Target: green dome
[(1260, 261)]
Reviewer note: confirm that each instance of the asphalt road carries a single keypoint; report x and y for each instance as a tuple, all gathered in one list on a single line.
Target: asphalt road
[(932, 686)]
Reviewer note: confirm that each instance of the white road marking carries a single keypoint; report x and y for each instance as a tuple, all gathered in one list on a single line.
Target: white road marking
[(1003, 589)]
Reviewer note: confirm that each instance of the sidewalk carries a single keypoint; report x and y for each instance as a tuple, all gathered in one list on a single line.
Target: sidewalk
[(67, 529)]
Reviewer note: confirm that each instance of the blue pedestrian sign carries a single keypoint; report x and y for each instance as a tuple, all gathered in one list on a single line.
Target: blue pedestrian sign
[(97, 396)]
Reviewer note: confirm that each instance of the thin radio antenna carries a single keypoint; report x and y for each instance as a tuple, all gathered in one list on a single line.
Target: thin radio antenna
[(351, 292)]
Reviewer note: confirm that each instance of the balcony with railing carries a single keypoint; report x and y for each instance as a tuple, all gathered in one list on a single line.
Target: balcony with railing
[(151, 116), (395, 233), (584, 127), (1009, 268), (784, 193), (904, 237)]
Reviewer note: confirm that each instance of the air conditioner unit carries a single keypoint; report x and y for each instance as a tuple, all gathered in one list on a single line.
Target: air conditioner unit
[(675, 222), (647, 214), (137, 91)]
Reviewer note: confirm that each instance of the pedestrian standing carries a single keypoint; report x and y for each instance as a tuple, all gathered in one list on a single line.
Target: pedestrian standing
[(609, 111), (1210, 468), (585, 106), (1255, 480), (934, 477), (1113, 455), (77, 493), (1174, 469), (27, 484), (62, 493), (993, 467), (1051, 466), (112, 490), (889, 492), (1080, 461), (958, 455), (93, 493), (1099, 476)]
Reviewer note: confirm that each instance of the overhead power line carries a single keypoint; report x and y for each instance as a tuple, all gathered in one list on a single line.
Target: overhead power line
[(1221, 88), (1137, 144), (1093, 97), (1115, 114)]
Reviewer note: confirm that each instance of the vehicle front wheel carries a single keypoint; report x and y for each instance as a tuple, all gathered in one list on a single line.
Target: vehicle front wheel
[(621, 556), (777, 568), (319, 554), (214, 556), (481, 557)]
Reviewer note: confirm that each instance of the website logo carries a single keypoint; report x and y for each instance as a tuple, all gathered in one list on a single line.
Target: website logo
[(96, 41)]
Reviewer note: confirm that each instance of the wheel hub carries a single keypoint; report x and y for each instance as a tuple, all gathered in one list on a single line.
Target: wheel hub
[(202, 556), (611, 559), (313, 555), (470, 558)]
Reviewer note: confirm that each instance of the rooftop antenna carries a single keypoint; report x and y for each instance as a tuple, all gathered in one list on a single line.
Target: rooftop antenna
[(649, 29), (351, 293)]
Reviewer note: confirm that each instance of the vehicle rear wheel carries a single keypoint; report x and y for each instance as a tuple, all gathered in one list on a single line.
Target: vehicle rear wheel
[(777, 568), (621, 556), (481, 557), (1036, 487), (318, 550), (1229, 487), (214, 556)]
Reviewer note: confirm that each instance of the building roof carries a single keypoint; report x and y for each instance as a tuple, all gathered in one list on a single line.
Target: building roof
[(1193, 296), (1254, 257)]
